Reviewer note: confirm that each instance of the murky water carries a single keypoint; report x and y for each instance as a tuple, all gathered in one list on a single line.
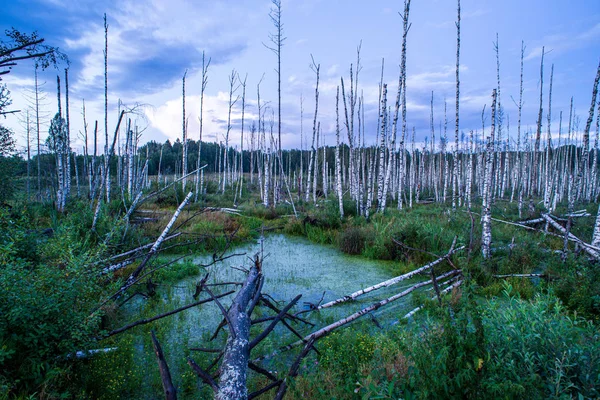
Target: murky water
[(291, 266)]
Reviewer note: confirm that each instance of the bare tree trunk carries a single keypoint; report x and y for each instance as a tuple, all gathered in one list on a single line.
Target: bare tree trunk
[(234, 367), (486, 212), (338, 169), (405, 30), (315, 67), (535, 175), (455, 185), (67, 140), (184, 133), (300, 182), (241, 168), (28, 129), (519, 180), (548, 186), (232, 102), (165, 375), (37, 128), (382, 146), (584, 160), (199, 182), (106, 165), (596, 234), (469, 188)]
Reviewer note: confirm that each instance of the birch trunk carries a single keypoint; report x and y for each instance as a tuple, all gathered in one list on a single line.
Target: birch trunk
[(486, 212)]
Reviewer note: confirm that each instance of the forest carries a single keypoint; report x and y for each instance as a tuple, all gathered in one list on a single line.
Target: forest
[(465, 265)]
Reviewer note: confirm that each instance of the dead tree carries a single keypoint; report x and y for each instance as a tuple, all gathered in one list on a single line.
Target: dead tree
[(106, 164), (406, 28), (165, 375), (200, 174), (486, 209), (184, 133), (338, 169), (455, 176), (277, 40), (315, 67)]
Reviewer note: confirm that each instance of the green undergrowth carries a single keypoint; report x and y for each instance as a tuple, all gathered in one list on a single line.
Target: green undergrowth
[(500, 338), (501, 348)]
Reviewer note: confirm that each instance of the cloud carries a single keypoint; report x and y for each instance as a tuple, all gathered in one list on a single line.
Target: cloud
[(150, 47), (558, 44)]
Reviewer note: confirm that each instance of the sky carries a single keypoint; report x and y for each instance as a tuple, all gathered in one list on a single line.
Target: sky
[(152, 43)]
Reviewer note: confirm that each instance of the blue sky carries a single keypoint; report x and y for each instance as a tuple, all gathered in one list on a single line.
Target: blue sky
[(153, 42)]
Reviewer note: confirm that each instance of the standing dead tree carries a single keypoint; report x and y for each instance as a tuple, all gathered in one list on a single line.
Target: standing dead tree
[(455, 175), (200, 174), (486, 209), (277, 40)]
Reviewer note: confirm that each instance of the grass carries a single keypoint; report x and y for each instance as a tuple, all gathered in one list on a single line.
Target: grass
[(402, 362)]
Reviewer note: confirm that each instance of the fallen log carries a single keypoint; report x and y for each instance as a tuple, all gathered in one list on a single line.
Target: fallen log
[(87, 353), (521, 276), (166, 187), (234, 367), (155, 246), (329, 328), (448, 289), (532, 221), (392, 281), (163, 367), (144, 247), (591, 250)]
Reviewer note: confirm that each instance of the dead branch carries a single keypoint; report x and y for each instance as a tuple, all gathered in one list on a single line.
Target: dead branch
[(165, 375), (294, 369), (521, 276), (329, 328), (149, 320), (591, 250), (392, 281), (206, 378), (271, 326), (448, 289)]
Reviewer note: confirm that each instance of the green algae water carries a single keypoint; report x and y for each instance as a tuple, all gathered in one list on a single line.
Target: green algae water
[(291, 266)]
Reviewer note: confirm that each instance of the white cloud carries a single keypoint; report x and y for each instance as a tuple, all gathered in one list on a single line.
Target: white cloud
[(563, 43)]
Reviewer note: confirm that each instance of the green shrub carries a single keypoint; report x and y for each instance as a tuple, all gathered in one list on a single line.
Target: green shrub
[(352, 240)]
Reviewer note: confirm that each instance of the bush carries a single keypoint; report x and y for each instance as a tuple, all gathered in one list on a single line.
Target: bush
[(352, 240)]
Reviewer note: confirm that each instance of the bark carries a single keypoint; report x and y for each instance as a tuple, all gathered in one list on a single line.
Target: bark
[(184, 133), (534, 175), (315, 67), (590, 249), (67, 144), (382, 146), (234, 367), (199, 182), (406, 28), (391, 281), (596, 234), (583, 161), (155, 247), (448, 289), (486, 211), (375, 306), (455, 175), (106, 163), (338, 169), (165, 375)]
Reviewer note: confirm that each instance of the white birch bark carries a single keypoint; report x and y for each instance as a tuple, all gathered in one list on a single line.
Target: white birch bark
[(486, 212), (382, 147)]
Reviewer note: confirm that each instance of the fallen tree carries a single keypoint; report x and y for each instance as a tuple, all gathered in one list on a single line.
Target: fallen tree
[(392, 281)]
